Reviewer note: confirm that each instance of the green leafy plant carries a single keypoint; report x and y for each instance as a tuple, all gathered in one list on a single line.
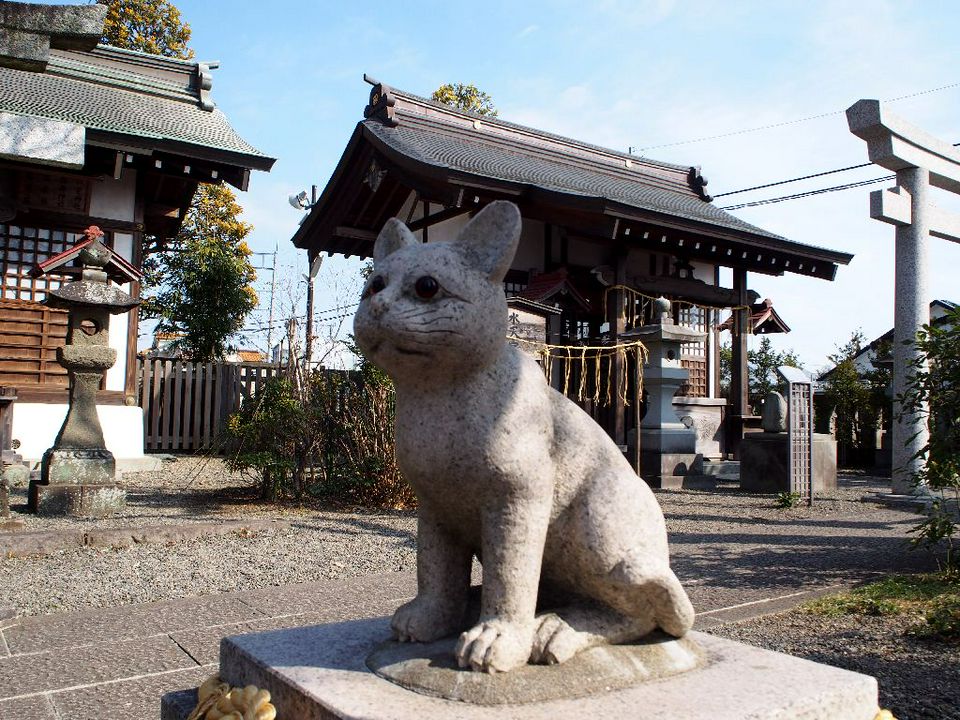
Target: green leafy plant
[(933, 395), (787, 499), (762, 364), (265, 437), (149, 26), (858, 397)]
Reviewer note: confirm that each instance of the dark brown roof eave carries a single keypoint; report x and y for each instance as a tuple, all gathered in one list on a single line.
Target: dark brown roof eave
[(189, 150)]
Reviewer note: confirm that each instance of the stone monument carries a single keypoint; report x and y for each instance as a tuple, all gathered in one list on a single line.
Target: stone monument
[(668, 447), (579, 614), (763, 455), (78, 474)]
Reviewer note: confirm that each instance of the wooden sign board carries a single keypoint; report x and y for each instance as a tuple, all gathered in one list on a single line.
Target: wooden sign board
[(54, 192)]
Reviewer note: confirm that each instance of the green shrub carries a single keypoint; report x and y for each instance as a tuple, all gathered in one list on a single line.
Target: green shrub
[(332, 437)]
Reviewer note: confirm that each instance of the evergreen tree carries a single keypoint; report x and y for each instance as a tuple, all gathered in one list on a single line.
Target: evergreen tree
[(204, 276), (149, 26), (465, 97)]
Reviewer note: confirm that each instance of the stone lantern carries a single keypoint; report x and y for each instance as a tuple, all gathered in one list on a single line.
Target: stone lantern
[(78, 474), (668, 448)]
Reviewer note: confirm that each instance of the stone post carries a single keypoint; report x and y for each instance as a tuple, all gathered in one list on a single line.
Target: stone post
[(911, 313)]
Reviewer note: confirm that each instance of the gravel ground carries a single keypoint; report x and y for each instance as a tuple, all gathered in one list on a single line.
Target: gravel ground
[(728, 547), (919, 678)]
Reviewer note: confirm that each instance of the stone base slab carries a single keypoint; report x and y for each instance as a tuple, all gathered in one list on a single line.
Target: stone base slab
[(431, 669), (66, 466), (668, 470), (319, 673), (79, 500)]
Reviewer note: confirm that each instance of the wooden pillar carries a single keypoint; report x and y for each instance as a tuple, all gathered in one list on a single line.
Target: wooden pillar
[(617, 318), (740, 378)]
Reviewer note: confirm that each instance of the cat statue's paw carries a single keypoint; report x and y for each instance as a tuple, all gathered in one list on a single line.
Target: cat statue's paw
[(555, 641), (495, 646), (423, 620)]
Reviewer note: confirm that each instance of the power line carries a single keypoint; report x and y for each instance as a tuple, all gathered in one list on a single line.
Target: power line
[(792, 180), (810, 193), (818, 116), (796, 196)]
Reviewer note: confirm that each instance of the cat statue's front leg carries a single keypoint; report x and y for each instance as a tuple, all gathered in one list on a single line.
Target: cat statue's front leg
[(513, 536), (443, 583)]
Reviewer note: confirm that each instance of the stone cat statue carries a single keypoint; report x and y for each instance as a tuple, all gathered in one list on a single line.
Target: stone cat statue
[(505, 468)]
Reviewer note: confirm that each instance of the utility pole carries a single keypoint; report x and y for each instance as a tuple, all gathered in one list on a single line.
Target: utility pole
[(261, 260), (314, 269)]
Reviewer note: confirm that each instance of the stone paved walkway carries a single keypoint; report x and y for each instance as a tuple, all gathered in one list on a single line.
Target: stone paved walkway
[(115, 663)]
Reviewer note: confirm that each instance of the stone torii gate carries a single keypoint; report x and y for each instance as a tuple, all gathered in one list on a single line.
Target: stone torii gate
[(920, 160)]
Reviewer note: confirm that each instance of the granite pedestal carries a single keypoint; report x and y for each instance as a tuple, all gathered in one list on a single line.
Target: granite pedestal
[(763, 463), (321, 672)]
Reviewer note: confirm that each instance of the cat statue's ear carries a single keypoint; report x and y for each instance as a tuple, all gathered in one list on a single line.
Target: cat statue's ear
[(490, 239), (394, 236)]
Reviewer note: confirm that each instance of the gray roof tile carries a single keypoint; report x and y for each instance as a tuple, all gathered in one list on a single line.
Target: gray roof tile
[(488, 155), (114, 99)]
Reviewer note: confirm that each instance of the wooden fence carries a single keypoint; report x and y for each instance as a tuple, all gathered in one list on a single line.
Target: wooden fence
[(186, 405)]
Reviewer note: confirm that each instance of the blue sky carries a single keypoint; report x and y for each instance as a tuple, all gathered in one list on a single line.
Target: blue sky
[(619, 74)]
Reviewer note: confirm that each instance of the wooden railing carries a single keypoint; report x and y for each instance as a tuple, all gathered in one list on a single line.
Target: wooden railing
[(186, 405)]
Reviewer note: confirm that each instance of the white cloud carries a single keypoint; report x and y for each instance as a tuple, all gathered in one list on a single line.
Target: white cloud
[(528, 30)]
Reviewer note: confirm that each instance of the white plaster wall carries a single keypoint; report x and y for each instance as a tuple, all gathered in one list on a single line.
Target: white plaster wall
[(36, 426), (117, 375), (123, 246), (115, 199), (703, 271), (446, 230)]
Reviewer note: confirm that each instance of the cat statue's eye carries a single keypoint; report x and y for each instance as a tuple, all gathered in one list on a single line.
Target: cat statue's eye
[(375, 286), (426, 287)]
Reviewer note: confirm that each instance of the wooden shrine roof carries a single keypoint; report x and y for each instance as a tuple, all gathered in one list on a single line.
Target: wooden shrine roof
[(461, 161)]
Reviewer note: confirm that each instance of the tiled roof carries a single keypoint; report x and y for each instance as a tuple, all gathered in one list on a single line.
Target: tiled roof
[(764, 320), (104, 91), (251, 356), (432, 133)]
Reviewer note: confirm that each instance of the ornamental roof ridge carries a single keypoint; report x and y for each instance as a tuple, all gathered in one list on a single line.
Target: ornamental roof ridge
[(389, 105)]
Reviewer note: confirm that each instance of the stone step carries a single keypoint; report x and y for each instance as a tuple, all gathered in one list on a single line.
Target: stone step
[(729, 469)]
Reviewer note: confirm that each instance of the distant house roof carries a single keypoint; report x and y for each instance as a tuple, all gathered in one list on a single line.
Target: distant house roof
[(458, 159), (251, 356), (938, 308)]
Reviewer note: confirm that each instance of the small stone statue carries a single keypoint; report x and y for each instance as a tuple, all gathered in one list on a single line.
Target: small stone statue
[(773, 417), (573, 544)]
